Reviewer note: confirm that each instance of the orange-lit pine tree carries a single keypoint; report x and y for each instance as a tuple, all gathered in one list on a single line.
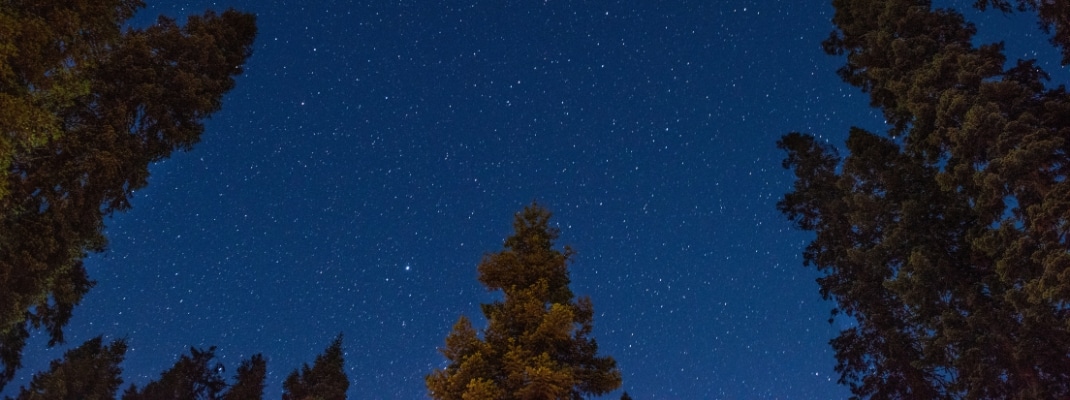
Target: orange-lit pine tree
[(537, 344)]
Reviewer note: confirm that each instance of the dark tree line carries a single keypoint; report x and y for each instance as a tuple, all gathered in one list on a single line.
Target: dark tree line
[(92, 372), (948, 238)]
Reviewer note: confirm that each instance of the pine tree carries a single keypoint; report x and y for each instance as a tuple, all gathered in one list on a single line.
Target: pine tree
[(537, 344), (946, 241), (325, 380), (249, 381), (85, 107), (89, 372)]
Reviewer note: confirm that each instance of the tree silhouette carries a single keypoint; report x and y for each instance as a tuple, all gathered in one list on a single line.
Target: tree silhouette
[(325, 380), (89, 372), (193, 376), (199, 376), (249, 381), (537, 344), (85, 107), (947, 240)]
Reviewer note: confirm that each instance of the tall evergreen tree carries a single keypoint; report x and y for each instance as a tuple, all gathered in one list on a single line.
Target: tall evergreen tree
[(85, 107), (89, 372), (325, 380), (537, 344), (947, 240)]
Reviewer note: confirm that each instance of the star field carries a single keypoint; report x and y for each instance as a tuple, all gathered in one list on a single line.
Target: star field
[(374, 151)]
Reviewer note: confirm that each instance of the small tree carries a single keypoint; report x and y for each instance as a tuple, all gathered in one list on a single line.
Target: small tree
[(249, 381), (325, 380), (537, 344)]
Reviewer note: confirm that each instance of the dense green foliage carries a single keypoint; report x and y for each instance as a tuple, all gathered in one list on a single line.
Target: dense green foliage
[(537, 344), (947, 241), (85, 107)]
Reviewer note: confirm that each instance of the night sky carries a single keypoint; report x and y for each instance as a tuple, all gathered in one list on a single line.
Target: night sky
[(374, 151)]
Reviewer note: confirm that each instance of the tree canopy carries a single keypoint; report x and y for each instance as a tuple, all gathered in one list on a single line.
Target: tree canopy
[(85, 107), (537, 344), (947, 239)]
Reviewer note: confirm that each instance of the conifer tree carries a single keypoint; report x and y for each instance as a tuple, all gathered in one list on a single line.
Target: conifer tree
[(85, 107), (946, 240), (249, 381), (89, 372), (537, 344), (325, 380), (192, 377)]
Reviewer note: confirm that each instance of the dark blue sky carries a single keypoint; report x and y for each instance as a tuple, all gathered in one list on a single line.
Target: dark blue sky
[(374, 151)]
